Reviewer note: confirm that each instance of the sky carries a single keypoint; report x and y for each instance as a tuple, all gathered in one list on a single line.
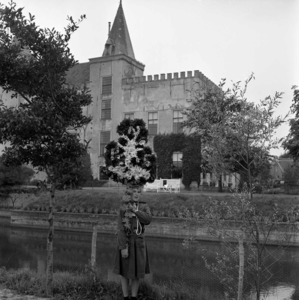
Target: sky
[(221, 38)]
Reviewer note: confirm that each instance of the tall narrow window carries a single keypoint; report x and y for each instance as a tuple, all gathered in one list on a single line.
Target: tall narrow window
[(104, 140), (106, 109), (107, 85), (177, 164), (129, 116), (177, 121), (152, 123)]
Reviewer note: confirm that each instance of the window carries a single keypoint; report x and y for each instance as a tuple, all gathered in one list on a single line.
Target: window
[(129, 116), (106, 109), (177, 159), (177, 121), (152, 123), (177, 164), (104, 140), (107, 85)]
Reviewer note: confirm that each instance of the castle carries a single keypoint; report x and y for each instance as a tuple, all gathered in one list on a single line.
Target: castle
[(120, 90)]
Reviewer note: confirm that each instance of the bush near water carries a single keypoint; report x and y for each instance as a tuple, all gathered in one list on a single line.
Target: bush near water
[(85, 284)]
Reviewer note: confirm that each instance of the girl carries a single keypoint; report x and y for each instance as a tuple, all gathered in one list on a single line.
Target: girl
[(132, 258)]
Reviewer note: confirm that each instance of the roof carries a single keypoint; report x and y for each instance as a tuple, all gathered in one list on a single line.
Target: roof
[(119, 41), (279, 166), (285, 163), (78, 75)]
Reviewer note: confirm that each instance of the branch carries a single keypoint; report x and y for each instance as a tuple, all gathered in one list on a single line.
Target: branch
[(52, 94)]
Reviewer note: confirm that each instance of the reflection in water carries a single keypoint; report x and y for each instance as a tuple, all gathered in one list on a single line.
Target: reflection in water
[(26, 248)]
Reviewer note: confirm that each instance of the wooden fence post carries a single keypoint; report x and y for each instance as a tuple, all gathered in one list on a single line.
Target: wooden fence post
[(241, 265), (94, 247)]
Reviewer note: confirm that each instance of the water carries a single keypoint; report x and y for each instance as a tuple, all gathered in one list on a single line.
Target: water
[(170, 261)]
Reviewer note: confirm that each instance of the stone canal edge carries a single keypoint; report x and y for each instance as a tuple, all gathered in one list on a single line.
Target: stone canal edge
[(160, 227)]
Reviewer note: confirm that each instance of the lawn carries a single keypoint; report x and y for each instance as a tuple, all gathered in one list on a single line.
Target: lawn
[(161, 204)]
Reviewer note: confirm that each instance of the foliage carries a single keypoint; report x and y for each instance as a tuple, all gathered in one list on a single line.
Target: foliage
[(161, 204), (129, 161), (33, 64), (263, 178), (291, 144), (285, 155), (94, 183), (84, 285), (79, 175), (166, 144), (243, 217), (192, 161), (207, 108), (15, 175), (237, 135), (291, 174), (40, 130)]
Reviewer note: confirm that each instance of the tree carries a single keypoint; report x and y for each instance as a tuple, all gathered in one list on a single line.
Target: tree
[(40, 131), (208, 107), (17, 175), (291, 174), (79, 174), (245, 230), (11, 178), (285, 155), (238, 135), (291, 144)]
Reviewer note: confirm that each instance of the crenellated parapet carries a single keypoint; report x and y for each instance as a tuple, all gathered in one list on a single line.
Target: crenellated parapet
[(169, 77)]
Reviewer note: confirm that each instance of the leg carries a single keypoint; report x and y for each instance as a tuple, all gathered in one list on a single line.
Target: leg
[(135, 286), (125, 286)]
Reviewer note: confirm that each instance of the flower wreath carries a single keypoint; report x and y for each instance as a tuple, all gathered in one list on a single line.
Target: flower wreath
[(129, 160)]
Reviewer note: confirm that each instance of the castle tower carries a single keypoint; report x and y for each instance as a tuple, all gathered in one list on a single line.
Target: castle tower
[(119, 41), (106, 74)]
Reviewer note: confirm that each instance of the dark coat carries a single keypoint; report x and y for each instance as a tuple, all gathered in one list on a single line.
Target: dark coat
[(137, 264)]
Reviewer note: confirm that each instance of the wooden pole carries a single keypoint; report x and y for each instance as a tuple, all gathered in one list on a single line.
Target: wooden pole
[(94, 247), (49, 271), (241, 265)]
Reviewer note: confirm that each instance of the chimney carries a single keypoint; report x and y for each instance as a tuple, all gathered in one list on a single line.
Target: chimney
[(109, 25)]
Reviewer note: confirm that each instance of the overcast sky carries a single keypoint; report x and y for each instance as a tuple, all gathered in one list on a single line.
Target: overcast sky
[(221, 38)]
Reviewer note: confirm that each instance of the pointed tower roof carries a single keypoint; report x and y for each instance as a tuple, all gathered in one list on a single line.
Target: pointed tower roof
[(119, 41)]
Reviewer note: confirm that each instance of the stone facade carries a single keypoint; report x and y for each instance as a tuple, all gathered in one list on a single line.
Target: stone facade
[(120, 90)]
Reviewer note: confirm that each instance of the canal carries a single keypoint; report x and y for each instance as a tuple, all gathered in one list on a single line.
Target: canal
[(170, 261)]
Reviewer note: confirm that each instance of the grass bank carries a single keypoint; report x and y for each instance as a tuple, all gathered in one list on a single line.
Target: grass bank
[(106, 201), (86, 285)]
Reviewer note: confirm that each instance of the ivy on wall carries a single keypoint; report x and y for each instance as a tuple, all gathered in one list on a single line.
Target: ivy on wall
[(190, 146), (192, 161)]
